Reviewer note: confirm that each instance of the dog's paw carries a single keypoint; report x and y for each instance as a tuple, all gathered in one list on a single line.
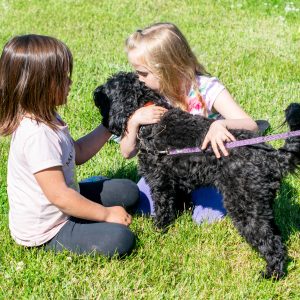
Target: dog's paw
[(161, 226), (274, 275)]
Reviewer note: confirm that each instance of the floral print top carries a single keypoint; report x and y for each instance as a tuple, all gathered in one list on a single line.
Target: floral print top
[(208, 88)]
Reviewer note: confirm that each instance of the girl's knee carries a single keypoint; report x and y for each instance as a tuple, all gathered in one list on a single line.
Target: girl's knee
[(122, 241), (120, 192), (128, 192), (132, 192), (207, 214), (208, 205)]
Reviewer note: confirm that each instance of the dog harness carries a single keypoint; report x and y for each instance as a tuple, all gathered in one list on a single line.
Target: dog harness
[(236, 144)]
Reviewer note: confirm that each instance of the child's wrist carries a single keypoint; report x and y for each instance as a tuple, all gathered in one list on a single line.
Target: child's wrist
[(133, 123), (104, 214), (222, 122)]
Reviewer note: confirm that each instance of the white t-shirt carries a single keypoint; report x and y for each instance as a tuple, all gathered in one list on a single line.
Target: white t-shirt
[(33, 220)]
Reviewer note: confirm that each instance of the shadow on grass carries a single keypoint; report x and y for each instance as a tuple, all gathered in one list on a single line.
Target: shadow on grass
[(128, 171), (287, 214), (287, 210)]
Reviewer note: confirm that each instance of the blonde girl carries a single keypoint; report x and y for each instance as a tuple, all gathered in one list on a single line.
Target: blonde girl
[(163, 59), (46, 204)]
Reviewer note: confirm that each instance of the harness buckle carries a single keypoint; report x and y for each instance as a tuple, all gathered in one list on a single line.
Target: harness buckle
[(163, 152)]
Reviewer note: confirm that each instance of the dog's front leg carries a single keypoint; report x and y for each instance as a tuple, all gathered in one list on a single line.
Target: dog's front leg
[(164, 205)]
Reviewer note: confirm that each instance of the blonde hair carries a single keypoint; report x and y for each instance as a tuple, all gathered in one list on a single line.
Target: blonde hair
[(167, 54), (35, 73)]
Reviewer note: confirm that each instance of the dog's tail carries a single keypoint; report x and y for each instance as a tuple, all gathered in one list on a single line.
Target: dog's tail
[(289, 154)]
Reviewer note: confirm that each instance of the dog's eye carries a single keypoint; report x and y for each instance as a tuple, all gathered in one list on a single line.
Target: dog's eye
[(141, 73)]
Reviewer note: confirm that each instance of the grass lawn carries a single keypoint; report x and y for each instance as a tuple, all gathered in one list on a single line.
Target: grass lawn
[(253, 47)]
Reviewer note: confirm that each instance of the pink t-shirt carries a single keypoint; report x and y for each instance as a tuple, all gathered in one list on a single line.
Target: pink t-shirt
[(209, 89), (33, 220)]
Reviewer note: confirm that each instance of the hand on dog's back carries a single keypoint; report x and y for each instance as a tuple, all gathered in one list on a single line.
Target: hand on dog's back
[(147, 115), (216, 136)]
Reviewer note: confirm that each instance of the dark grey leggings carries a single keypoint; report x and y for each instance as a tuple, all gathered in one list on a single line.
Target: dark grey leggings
[(83, 236)]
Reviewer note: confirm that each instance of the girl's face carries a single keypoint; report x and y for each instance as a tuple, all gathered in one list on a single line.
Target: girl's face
[(68, 86), (145, 75), (66, 90)]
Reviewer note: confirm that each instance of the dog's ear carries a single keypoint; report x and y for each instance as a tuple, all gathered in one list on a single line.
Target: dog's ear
[(103, 103)]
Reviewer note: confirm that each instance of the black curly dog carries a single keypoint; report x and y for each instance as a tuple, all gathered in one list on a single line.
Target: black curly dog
[(248, 178)]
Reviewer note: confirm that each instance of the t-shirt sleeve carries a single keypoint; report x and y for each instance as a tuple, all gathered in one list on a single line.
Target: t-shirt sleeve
[(213, 88), (42, 150)]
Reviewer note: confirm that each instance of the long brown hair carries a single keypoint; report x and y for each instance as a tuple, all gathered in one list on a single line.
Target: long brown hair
[(167, 54), (35, 74)]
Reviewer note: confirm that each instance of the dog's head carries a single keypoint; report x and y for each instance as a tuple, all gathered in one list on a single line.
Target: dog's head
[(120, 97)]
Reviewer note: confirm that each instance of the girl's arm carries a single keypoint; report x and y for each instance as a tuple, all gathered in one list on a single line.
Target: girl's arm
[(72, 203), (128, 142), (87, 146), (145, 115), (234, 118)]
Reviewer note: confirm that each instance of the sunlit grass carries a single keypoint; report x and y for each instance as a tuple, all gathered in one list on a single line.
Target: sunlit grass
[(253, 47)]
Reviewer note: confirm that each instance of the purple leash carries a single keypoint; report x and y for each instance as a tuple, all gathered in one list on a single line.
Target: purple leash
[(236, 144)]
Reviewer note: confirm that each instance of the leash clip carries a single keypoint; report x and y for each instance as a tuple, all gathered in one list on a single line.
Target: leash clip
[(163, 152)]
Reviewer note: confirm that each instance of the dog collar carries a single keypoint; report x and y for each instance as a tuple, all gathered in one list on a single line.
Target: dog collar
[(148, 103)]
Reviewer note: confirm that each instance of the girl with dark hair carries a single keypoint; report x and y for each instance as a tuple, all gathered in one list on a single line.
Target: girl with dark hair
[(46, 204)]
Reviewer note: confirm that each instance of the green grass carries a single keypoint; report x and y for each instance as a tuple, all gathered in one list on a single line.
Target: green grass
[(253, 47)]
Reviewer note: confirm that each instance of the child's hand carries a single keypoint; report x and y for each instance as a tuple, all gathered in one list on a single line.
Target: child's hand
[(117, 214), (147, 115), (216, 136)]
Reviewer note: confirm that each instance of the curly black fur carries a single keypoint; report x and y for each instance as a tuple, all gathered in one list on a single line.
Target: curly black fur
[(248, 178)]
